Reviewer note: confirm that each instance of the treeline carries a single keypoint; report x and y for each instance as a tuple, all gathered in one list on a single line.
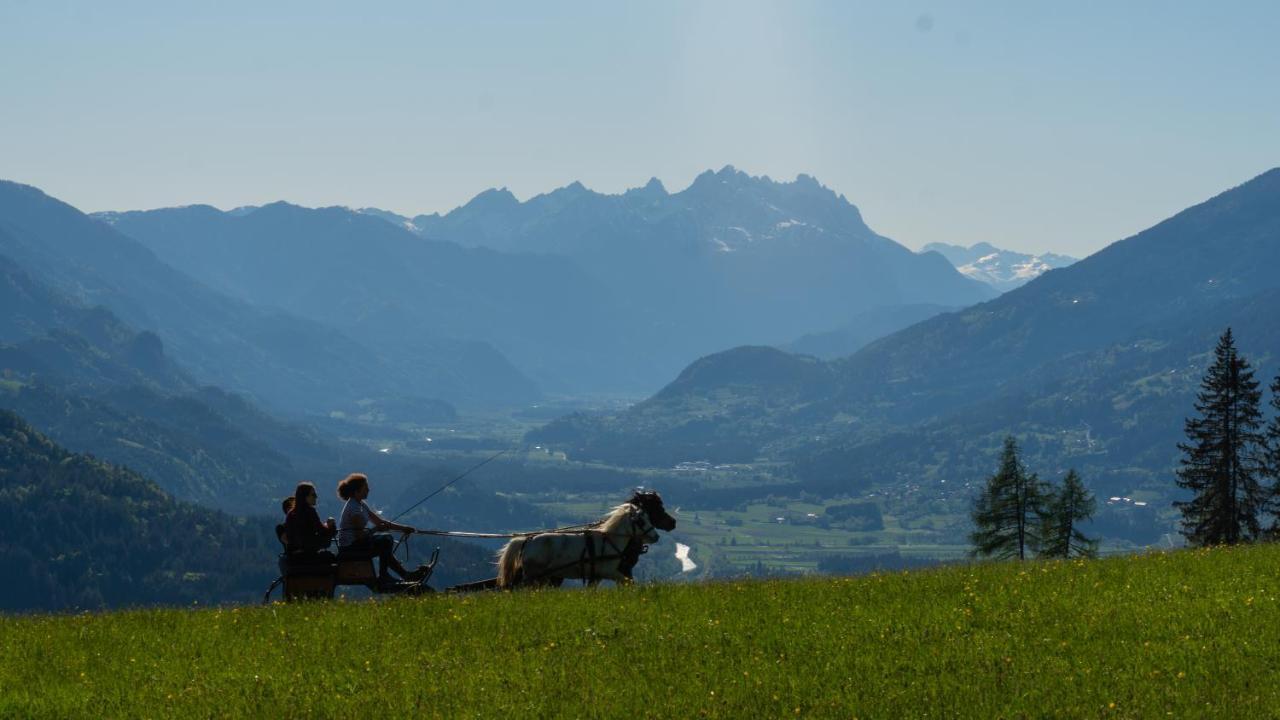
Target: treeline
[(1230, 464)]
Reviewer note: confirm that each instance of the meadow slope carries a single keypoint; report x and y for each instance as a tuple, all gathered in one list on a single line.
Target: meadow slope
[(1179, 634)]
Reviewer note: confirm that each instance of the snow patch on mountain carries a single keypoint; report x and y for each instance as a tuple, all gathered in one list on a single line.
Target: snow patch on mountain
[(1002, 269)]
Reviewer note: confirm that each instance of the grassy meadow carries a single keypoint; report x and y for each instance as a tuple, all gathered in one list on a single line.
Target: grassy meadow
[(1178, 634)]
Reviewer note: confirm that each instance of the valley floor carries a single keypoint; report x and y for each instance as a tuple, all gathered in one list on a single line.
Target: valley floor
[(1178, 634)]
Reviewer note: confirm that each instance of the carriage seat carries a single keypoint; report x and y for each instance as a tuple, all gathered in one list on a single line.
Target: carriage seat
[(355, 565), (356, 552), (304, 562), (308, 562)]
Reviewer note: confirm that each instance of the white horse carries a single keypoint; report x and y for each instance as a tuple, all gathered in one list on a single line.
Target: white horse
[(605, 551)]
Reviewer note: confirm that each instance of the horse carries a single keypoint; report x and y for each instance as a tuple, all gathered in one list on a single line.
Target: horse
[(607, 550)]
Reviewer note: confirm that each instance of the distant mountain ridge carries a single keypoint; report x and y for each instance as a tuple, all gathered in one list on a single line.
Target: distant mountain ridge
[(1093, 365), (1002, 269), (95, 384), (863, 329), (284, 361), (458, 316), (581, 291), (731, 259)]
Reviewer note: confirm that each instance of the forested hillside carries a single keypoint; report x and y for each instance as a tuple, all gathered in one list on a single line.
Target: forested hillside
[(82, 534)]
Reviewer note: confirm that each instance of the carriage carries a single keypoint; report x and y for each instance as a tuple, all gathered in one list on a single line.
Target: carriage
[(604, 550), (318, 575)]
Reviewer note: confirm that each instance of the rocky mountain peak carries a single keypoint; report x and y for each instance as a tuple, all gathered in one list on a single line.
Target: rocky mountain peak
[(1003, 270)]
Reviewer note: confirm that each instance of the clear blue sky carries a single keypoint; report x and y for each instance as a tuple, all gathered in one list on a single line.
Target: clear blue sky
[(1033, 125)]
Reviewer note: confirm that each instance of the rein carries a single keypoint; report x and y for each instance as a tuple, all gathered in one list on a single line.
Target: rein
[(508, 536)]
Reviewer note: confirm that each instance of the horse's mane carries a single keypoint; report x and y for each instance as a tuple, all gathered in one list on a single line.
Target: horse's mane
[(616, 516)]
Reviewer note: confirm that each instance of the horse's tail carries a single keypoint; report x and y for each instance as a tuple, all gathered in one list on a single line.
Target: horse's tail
[(510, 562)]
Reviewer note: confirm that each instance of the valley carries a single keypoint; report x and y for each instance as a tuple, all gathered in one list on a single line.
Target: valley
[(864, 455)]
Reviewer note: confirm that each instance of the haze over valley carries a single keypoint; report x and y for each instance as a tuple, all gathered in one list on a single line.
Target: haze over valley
[(750, 346), (802, 269)]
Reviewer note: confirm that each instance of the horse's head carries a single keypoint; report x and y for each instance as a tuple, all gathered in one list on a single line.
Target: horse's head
[(650, 503), (642, 527)]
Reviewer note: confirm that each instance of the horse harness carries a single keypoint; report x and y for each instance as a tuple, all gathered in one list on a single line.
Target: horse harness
[(627, 556)]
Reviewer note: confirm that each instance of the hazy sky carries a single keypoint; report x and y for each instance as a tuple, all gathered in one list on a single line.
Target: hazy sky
[(1032, 125)]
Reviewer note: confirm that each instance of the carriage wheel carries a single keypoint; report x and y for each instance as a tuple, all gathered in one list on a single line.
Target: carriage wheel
[(266, 597)]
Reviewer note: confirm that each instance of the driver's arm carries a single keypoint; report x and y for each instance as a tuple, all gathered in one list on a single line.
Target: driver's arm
[(380, 524)]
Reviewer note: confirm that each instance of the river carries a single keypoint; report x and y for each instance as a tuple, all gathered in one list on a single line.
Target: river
[(682, 554)]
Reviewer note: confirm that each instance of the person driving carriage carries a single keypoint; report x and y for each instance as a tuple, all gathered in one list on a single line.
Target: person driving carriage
[(355, 531)]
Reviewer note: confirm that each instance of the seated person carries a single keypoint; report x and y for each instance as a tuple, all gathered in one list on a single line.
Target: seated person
[(285, 506), (358, 523), (304, 533)]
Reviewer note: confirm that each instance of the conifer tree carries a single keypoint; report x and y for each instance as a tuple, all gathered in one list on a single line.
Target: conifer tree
[(1223, 459), (1006, 515), (1272, 460), (1066, 509)]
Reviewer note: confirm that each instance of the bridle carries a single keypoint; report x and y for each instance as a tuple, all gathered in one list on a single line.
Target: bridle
[(642, 527)]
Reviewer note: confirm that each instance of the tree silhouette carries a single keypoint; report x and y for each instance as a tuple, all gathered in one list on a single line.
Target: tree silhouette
[(1005, 513), (1065, 509), (1272, 461), (1223, 459)]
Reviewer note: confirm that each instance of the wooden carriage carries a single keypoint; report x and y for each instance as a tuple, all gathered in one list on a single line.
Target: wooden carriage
[(317, 575)]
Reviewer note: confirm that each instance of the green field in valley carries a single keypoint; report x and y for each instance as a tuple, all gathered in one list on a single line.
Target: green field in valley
[(780, 535), (1178, 634)]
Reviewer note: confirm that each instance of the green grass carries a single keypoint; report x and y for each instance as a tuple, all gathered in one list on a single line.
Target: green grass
[(1183, 634)]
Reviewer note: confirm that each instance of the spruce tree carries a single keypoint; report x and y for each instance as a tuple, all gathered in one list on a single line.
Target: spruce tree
[(1272, 460), (1066, 509), (1006, 514), (1223, 459)]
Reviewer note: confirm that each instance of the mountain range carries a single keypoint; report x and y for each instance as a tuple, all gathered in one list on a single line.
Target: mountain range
[(1093, 365), (95, 384), (1003, 270), (286, 362), (731, 259)]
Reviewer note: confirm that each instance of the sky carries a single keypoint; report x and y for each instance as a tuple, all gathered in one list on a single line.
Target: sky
[(1034, 126)]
